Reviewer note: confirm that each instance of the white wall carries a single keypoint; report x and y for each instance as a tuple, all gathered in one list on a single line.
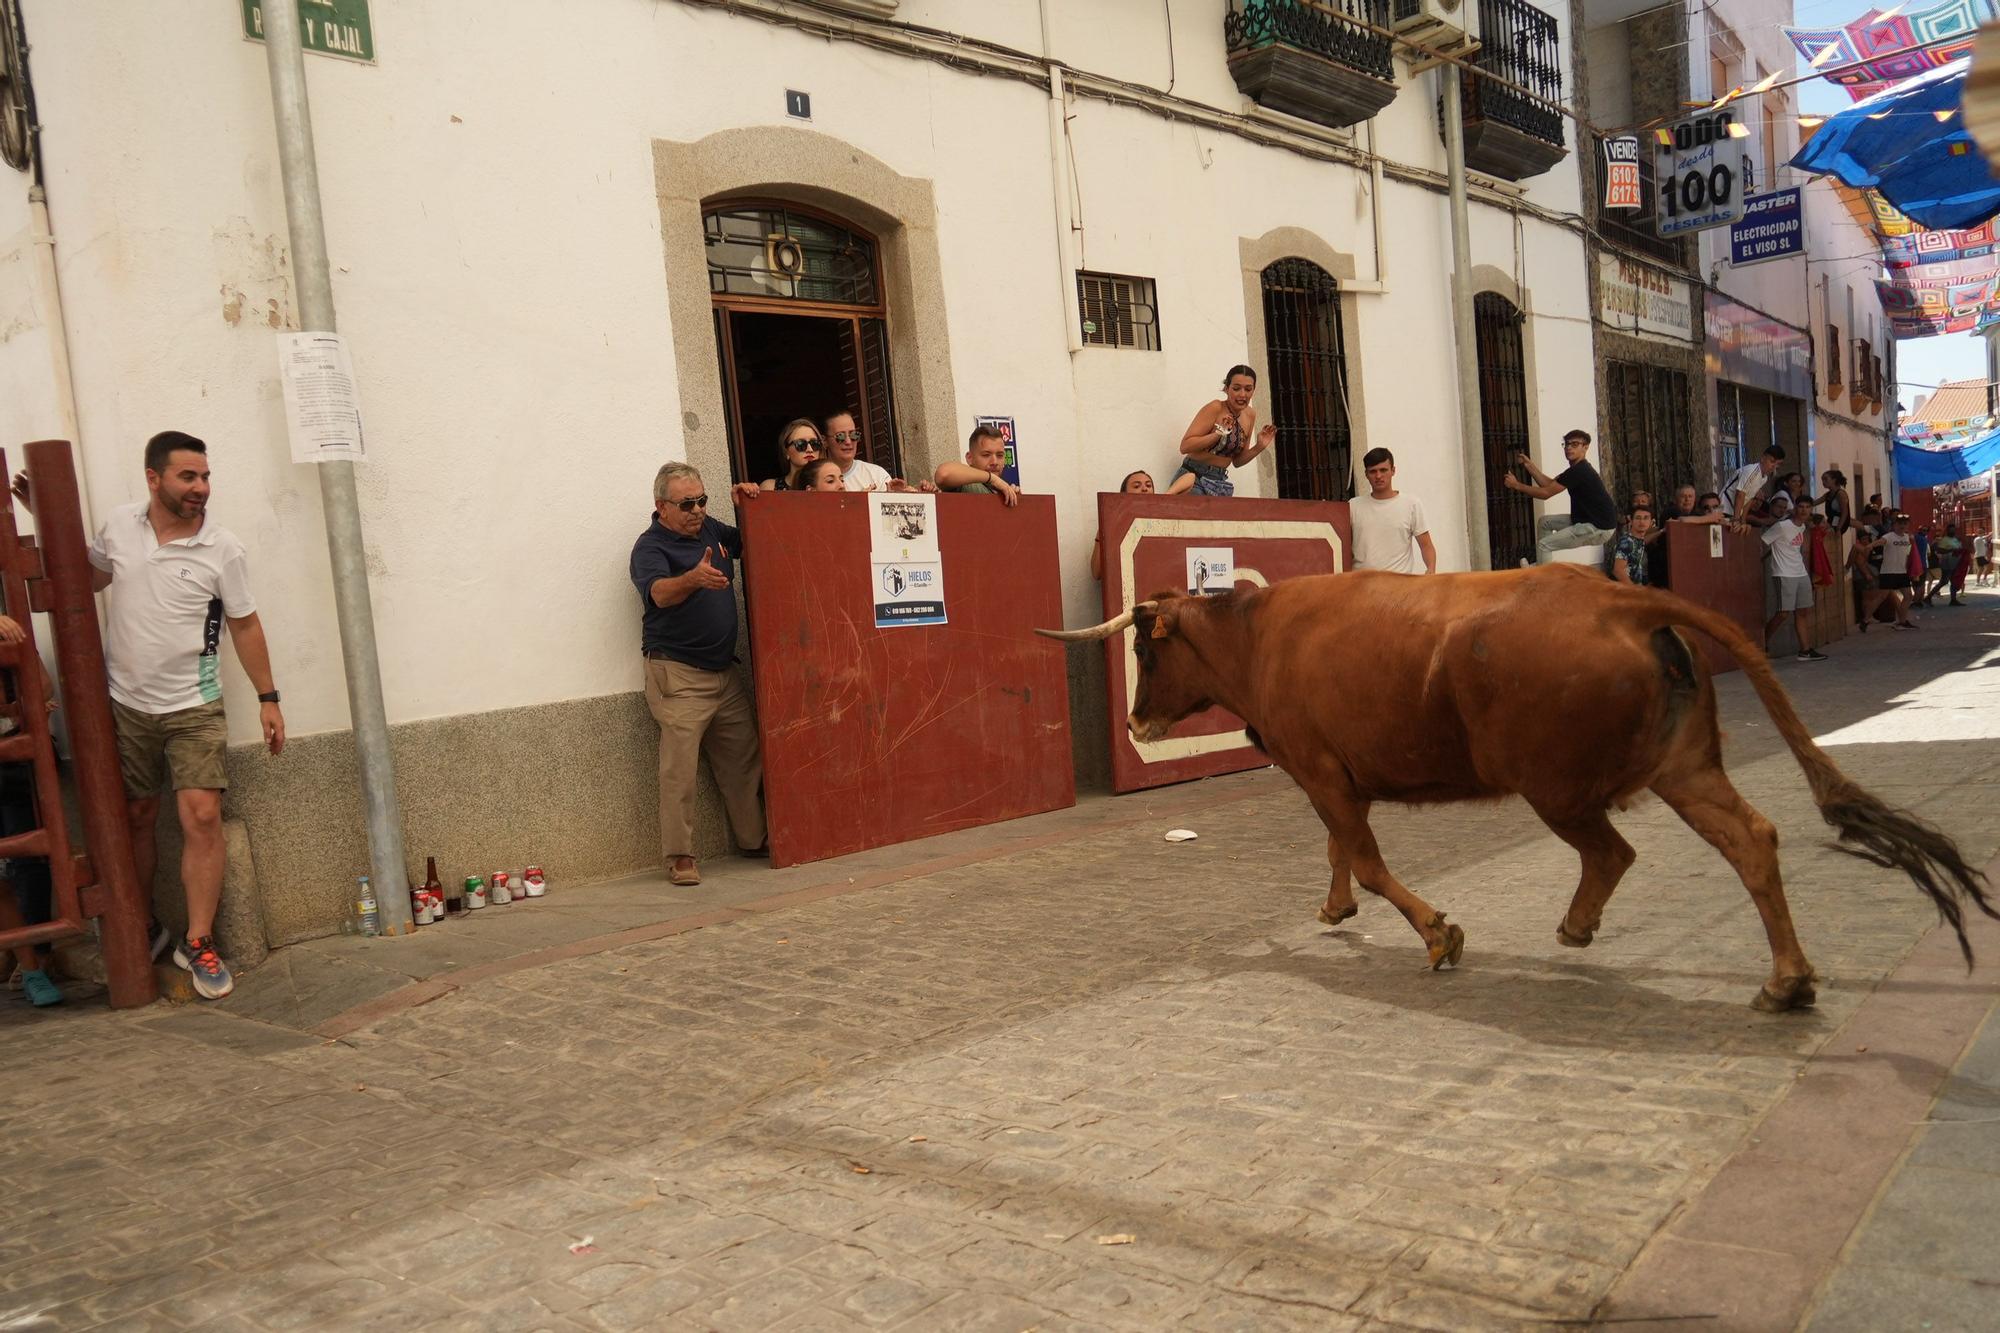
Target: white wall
[(491, 216)]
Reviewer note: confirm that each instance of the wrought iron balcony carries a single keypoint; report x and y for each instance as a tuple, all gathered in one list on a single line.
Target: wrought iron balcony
[(1508, 134), (1311, 58)]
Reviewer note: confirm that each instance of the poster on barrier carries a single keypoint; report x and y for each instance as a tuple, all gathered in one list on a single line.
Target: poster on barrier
[(906, 571)]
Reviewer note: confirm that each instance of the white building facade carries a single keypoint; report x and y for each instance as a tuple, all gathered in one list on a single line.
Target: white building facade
[(571, 246)]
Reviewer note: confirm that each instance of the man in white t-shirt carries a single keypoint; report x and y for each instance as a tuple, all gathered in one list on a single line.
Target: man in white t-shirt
[(175, 579), (843, 444), (1749, 482), (1785, 543), (1388, 525)]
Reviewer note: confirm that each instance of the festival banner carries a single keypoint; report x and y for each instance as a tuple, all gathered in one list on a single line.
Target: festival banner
[(1880, 48)]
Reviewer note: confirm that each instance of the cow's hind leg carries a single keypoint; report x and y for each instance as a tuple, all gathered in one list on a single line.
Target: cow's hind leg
[(1606, 858), (1349, 826), (1340, 903), (1713, 808)]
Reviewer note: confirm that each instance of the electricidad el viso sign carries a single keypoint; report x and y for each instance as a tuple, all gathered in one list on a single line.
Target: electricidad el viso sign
[(1772, 227), (1700, 171)]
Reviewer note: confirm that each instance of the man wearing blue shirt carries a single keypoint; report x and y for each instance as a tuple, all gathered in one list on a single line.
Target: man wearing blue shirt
[(683, 565)]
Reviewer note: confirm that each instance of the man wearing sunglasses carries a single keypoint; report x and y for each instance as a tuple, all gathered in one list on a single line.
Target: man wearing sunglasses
[(843, 443), (683, 565)]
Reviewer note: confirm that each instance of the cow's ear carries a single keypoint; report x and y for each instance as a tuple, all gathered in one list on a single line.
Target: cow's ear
[(1163, 625)]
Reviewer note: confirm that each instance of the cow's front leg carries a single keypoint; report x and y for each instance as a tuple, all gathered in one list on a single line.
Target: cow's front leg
[(1340, 904), (1444, 941)]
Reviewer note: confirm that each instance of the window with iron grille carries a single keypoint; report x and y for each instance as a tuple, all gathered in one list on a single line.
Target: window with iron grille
[(1306, 381), (1831, 352), (788, 254), (13, 92), (1648, 445), (1118, 311)]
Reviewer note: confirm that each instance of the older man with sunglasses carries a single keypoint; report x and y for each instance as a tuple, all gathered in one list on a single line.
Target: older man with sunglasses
[(683, 565)]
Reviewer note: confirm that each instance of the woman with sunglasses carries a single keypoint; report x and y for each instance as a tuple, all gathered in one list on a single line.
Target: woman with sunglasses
[(798, 444)]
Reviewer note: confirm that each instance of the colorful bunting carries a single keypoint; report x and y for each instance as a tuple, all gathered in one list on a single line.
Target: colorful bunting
[(1878, 49)]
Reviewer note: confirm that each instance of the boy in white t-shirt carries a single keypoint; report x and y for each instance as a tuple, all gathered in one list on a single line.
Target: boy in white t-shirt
[(1785, 543), (1387, 523)]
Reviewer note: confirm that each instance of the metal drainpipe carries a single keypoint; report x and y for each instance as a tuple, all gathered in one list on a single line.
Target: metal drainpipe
[(1472, 445), (48, 296), (1059, 176), (390, 871)]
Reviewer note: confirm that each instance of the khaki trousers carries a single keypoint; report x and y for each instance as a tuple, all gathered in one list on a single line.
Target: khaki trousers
[(704, 712)]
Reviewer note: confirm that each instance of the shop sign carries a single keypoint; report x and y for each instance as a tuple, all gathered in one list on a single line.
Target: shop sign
[(1751, 348), (328, 27), (1005, 425), (1634, 298), (1772, 227), (1700, 171), (1621, 172)]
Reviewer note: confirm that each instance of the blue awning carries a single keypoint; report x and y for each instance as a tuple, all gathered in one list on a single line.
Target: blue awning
[(1894, 142), (1939, 467)]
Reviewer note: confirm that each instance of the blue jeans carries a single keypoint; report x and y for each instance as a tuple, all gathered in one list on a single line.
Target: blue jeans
[(29, 875), (1208, 479)]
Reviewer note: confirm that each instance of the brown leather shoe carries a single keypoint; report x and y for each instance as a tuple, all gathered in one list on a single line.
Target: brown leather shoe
[(684, 872)]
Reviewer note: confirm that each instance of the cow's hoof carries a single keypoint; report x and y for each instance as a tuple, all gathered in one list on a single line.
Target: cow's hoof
[(1335, 918), (1582, 941), (1445, 952), (1788, 993)]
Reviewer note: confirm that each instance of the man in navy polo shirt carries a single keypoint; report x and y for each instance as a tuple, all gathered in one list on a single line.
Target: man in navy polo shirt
[(683, 565)]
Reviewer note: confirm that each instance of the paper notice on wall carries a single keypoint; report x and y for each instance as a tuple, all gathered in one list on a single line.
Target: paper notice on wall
[(322, 406), (1715, 541), (1210, 569), (906, 572)]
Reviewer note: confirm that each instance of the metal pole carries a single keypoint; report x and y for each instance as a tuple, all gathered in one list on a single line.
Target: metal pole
[(311, 276), (1993, 395), (1471, 437)]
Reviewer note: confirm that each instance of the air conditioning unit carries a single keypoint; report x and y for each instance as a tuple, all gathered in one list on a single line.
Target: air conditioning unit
[(1448, 27)]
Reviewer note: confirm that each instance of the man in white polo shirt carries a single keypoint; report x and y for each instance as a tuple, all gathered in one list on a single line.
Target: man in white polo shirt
[(175, 580)]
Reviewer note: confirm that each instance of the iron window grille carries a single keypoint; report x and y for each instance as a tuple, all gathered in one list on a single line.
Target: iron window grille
[(1306, 355), (778, 252), (1831, 351), (1326, 28), (1116, 310)]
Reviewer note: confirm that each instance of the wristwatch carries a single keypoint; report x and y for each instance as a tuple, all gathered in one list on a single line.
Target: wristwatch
[(268, 697)]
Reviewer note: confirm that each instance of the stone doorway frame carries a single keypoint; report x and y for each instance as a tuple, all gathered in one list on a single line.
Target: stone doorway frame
[(1259, 253), (776, 162)]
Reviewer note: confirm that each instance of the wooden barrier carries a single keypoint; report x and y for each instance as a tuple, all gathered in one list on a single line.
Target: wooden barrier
[(1731, 578), (1146, 541), (876, 736)]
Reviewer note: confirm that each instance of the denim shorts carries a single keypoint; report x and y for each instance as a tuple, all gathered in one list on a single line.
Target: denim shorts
[(1208, 479)]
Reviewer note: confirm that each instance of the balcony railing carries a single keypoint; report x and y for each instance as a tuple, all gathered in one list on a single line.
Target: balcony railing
[(1509, 133), (1312, 58)]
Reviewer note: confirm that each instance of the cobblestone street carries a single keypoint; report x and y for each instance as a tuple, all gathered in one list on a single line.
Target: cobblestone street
[(1099, 1082)]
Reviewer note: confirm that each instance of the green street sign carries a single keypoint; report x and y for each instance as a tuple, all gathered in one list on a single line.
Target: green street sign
[(330, 27)]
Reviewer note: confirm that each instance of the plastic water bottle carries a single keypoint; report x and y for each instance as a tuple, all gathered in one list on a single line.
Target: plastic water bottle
[(366, 907)]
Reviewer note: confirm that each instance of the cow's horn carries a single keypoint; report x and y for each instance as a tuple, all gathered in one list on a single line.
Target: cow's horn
[(1104, 631)]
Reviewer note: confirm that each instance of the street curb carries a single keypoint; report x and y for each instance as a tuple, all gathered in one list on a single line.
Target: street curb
[(417, 993), (1754, 1248)]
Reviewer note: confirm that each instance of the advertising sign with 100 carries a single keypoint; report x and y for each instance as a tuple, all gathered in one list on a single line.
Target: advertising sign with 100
[(1700, 173)]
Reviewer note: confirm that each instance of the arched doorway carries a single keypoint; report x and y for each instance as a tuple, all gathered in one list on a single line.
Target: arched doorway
[(801, 329), (1306, 381), (1503, 425)]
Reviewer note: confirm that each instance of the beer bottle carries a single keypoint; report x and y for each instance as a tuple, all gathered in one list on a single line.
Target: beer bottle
[(435, 890)]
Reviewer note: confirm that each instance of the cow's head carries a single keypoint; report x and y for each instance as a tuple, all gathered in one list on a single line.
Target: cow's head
[(1173, 680)]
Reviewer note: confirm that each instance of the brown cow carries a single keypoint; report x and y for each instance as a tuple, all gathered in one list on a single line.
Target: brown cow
[(1554, 684)]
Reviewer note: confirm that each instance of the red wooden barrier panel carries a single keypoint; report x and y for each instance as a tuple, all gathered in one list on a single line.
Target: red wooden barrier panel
[(876, 736), (1731, 582), (1146, 542)]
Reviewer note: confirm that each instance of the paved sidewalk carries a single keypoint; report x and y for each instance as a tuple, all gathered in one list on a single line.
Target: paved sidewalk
[(1061, 1074)]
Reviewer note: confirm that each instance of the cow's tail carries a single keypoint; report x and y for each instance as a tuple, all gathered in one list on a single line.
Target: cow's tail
[(1869, 827)]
